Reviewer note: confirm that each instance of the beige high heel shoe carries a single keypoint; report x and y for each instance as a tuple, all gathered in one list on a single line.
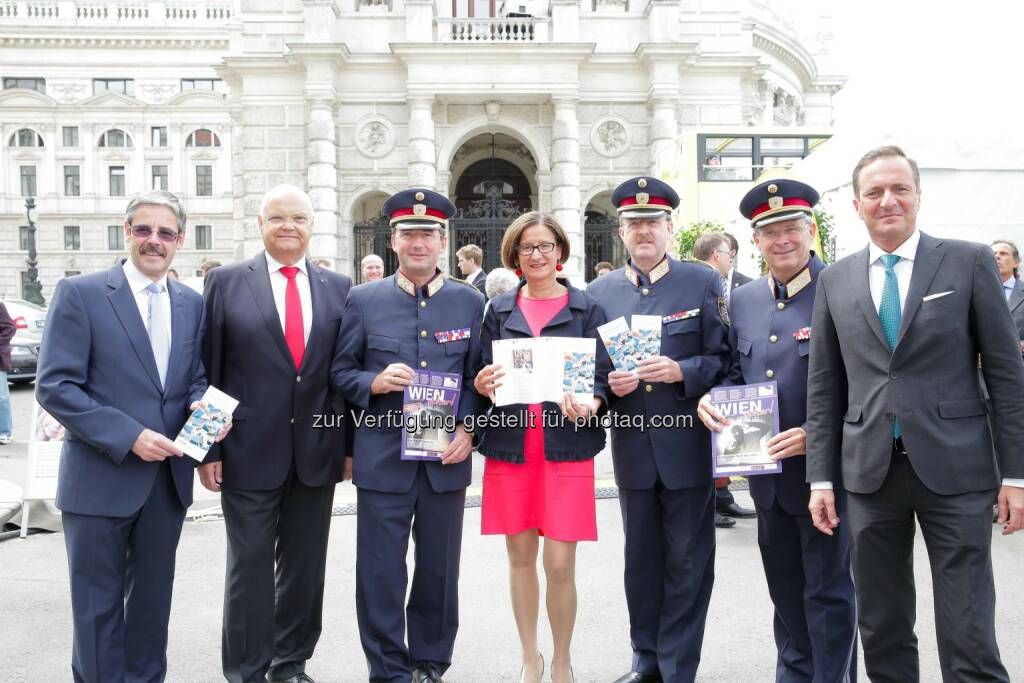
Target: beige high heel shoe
[(522, 672)]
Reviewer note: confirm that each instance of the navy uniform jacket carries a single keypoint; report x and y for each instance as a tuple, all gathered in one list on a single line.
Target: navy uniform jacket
[(766, 336), (391, 321), (689, 298)]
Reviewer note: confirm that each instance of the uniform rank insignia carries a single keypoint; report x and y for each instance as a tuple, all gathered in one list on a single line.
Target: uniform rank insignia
[(803, 334), (681, 315), (723, 309), (452, 335)]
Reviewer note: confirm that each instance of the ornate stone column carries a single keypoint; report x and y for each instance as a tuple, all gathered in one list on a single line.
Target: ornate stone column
[(422, 154), (664, 127), (322, 174), (565, 179)]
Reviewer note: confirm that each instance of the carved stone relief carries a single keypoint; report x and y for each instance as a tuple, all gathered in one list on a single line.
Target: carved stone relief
[(609, 136), (375, 136)]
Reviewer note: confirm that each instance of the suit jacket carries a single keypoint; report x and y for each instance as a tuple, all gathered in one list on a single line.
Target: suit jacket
[(277, 421), (689, 298), (764, 337), (480, 281), (739, 279), (98, 377), (929, 382), (1016, 308)]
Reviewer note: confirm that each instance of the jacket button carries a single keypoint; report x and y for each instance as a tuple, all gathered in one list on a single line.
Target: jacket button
[(423, 333), (645, 291), (649, 388), (774, 338), (780, 305), (423, 304), (298, 378), (423, 363), (892, 375), (769, 374), (292, 420)]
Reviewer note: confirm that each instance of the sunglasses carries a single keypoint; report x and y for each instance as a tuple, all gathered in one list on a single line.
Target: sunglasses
[(143, 232)]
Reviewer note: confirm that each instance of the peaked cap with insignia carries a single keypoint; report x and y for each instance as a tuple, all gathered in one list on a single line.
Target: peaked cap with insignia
[(777, 196), (418, 209), (644, 197)]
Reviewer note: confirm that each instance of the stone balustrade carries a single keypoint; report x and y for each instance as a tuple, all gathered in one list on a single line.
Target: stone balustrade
[(91, 13), (507, 30)]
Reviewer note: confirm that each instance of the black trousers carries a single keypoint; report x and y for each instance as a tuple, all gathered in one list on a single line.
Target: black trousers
[(957, 531), (274, 590), (122, 573)]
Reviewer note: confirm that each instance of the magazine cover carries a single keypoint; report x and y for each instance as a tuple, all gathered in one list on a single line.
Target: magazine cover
[(647, 331), (579, 369), (205, 423), (429, 408), (621, 345), (742, 447)]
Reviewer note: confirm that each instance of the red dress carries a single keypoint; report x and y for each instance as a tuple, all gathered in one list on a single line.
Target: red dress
[(556, 498)]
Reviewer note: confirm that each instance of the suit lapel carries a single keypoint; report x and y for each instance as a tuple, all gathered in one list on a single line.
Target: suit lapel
[(258, 279), (1016, 296), (926, 264), (318, 294), (178, 331), (123, 301), (862, 286)]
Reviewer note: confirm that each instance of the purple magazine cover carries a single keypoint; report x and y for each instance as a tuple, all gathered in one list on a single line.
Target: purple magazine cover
[(429, 409), (742, 447)]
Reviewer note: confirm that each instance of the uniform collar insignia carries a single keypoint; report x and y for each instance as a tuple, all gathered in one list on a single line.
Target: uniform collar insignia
[(796, 285), (405, 284), (409, 287), (435, 285), (659, 271)]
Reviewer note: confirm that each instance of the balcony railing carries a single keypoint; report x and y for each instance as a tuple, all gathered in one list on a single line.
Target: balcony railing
[(91, 12), (508, 30)]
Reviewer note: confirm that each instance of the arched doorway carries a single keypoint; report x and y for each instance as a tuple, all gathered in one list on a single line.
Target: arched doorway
[(371, 233), (601, 240), (492, 186)]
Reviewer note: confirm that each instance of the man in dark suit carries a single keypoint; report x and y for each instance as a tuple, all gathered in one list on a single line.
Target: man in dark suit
[(7, 331), (120, 369), (416, 319), (271, 326), (736, 278), (1008, 264), (808, 573), (895, 405), (471, 261), (664, 473)]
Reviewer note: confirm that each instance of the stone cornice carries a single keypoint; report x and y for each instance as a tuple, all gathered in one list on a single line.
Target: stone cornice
[(789, 52), (108, 41), (307, 52), (493, 53)]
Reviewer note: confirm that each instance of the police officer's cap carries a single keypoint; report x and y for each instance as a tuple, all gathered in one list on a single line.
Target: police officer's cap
[(777, 196), (644, 197), (418, 209)]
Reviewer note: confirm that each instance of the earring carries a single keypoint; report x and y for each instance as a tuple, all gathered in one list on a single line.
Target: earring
[(519, 273), (558, 267)]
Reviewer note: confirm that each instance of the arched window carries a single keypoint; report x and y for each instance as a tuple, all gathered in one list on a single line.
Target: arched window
[(26, 137), (204, 137), (115, 137)]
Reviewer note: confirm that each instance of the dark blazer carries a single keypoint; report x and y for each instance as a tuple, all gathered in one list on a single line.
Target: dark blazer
[(480, 281), (929, 382), (97, 377), (246, 357), (7, 331), (739, 279), (764, 337), (562, 442)]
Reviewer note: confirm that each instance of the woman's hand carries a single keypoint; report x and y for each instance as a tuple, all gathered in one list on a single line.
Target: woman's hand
[(573, 409), (488, 379)]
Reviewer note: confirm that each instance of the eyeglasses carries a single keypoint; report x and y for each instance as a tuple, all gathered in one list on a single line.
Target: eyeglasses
[(528, 249), (143, 232), (727, 252)]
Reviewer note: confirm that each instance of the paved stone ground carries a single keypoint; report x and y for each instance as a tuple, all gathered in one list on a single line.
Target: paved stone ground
[(35, 624)]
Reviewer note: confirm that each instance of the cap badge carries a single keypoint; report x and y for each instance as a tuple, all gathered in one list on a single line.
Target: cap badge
[(420, 196), (642, 197), (773, 188), (642, 183), (775, 202), (419, 209)]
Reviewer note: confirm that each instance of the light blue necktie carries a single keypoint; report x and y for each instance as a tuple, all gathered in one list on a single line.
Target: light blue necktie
[(889, 313), (159, 328)]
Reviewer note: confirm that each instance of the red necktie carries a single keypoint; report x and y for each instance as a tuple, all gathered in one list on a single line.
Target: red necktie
[(294, 334)]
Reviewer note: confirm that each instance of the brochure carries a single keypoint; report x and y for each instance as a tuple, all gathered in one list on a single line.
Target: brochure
[(742, 447)]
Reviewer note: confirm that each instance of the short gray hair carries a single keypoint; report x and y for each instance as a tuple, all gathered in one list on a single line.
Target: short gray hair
[(278, 190), (157, 198), (499, 281)]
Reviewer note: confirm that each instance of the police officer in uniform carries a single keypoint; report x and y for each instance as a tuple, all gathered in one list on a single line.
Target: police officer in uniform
[(664, 473), (808, 572), (416, 319)]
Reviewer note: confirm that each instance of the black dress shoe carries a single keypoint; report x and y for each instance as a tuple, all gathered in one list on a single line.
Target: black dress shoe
[(723, 522), (734, 510), (297, 678), (426, 672), (634, 677)]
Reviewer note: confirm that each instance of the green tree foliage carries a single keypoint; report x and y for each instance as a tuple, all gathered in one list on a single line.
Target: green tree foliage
[(687, 237)]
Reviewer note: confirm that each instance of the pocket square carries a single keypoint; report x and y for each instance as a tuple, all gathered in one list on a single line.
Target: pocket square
[(938, 295)]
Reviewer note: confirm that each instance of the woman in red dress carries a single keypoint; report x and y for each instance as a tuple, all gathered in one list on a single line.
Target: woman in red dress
[(539, 473)]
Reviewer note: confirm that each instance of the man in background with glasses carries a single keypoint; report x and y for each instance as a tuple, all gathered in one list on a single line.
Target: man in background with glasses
[(120, 369)]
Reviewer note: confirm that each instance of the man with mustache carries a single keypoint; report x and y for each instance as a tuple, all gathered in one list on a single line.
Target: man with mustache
[(272, 322), (120, 368), (895, 406)]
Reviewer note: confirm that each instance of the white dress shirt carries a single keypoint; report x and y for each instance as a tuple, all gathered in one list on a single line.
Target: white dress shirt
[(279, 284), (904, 269), (139, 281)]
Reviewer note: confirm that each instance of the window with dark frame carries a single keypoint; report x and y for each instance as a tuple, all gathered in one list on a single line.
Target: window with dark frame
[(115, 137), (204, 180), (123, 86), (37, 84), (72, 273), (158, 136), (72, 181), (70, 134), (159, 176), (72, 238), (725, 158), (117, 188), (28, 181), (204, 137), (115, 237), (204, 237), (210, 84)]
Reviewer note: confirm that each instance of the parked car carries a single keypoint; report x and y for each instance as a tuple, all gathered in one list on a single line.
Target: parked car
[(24, 357), (27, 316)]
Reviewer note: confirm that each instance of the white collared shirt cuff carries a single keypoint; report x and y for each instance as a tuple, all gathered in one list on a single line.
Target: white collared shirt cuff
[(1019, 483), (821, 486)]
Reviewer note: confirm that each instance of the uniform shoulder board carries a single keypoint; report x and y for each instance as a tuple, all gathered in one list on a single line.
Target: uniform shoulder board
[(463, 282)]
